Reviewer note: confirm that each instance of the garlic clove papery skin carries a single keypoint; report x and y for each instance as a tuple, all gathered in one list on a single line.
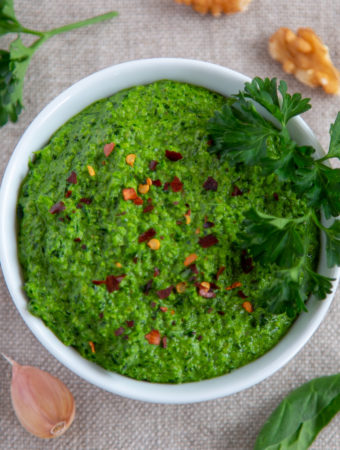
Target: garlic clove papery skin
[(43, 404)]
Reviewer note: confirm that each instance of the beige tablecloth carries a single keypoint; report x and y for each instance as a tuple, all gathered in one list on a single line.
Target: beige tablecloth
[(155, 28)]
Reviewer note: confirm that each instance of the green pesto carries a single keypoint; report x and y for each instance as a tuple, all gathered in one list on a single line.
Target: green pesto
[(206, 337)]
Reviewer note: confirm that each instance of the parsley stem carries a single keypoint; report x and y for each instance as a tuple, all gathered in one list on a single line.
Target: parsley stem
[(29, 31), (82, 23)]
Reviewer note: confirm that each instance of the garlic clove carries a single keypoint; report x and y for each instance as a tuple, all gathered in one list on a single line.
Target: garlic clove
[(43, 404)]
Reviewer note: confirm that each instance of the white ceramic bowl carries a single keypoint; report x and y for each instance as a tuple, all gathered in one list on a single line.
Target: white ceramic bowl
[(70, 102)]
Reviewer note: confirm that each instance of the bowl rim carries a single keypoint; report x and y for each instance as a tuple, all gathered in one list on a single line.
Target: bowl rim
[(57, 112)]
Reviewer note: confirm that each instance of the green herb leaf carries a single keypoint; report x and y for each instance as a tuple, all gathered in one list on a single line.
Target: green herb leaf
[(13, 66), (333, 244), (298, 419), (334, 146), (8, 21)]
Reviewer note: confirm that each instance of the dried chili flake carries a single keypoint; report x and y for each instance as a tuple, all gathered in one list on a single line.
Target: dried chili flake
[(83, 247), (179, 222), (157, 183), (219, 272), (176, 185), (130, 323), (248, 307), (156, 272), (214, 286), (276, 196), (77, 240), (246, 262), (68, 194), (209, 310), (112, 282), (153, 304), (234, 285), (147, 287), (173, 156), (138, 201), (153, 337), (199, 338), (101, 315), (135, 260), (236, 191), (193, 268), (153, 165), (166, 186), (129, 194), (221, 313), (98, 282), (93, 349), (148, 208), (147, 235), (86, 200), (119, 331), (57, 207), (241, 294), (208, 224), (164, 342), (72, 178), (164, 293), (210, 184), (163, 308), (208, 241), (189, 260), (108, 148)]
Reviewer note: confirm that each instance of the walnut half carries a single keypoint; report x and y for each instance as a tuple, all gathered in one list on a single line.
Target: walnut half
[(216, 7), (304, 55)]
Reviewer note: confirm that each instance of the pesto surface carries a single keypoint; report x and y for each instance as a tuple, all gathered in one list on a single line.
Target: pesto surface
[(94, 234)]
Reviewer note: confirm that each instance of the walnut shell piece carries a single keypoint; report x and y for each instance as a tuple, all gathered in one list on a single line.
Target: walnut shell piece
[(304, 55), (217, 7)]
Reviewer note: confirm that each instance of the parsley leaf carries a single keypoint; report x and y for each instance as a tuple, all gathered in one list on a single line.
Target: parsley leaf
[(334, 146), (333, 244), (14, 63)]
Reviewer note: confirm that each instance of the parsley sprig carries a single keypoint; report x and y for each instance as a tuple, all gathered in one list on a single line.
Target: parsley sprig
[(242, 135), (15, 61)]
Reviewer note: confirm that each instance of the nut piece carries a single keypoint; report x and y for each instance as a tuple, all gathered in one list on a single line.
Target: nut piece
[(216, 7), (181, 287), (91, 171), (304, 55), (143, 188)]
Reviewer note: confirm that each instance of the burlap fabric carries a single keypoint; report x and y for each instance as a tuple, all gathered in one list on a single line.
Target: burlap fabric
[(155, 28)]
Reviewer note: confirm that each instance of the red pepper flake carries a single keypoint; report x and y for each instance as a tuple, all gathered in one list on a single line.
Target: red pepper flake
[(209, 310), (135, 260), (77, 240), (72, 178), (119, 331), (57, 207), (101, 315), (112, 282), (68, 194), (236, 191), (276, 196), (242, 294), (156, 183), (86, 200), (166, 186), (130, 323), (199, 338), (83, 247), (214, 286), (156, 272), (208, 224), (138, 201), (179, 222), (210, 184), (234, 285), (153, 337), (221, 313), (163, 308), (246, 262), (173, 156), (164, 342), (153, 165), (108, 148), (176, 185), (148, 208), (208, 241), (193, 268), (129, 194), (219, 272), (153, 304), (147, 287), (147, 235), (93, 349), (164, 293)]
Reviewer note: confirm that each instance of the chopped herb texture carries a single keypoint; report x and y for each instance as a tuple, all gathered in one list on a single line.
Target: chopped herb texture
[(183, 279)]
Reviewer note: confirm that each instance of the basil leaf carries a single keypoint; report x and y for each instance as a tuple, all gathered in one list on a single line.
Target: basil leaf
[(301, 415)]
